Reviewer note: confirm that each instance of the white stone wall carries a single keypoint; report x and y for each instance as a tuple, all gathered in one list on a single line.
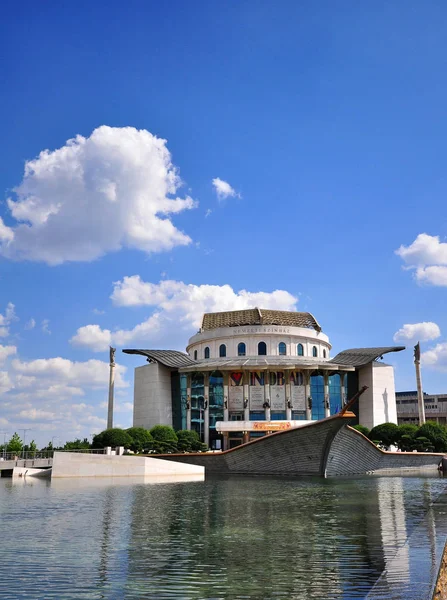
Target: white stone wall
[(378, 404), (78, 464), (152, 396), (252, 335)]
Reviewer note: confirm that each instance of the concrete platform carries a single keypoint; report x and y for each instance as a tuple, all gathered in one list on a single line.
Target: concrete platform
[(74, 464)]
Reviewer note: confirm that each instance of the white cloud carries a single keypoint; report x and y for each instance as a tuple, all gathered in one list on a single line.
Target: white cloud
[(93, 337), (208, 212), (46, 326), (428, 257), (422, 332), (34, 414), (224, 189), (94, 195), (5, 382), (6, 319), (178, 310), (30, 324), (97, 311), (436, 358), (6, 351)]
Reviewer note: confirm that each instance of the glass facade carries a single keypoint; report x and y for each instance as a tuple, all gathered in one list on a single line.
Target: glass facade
[(216, 403), (197, 403), (335, 393), (317, 394), (257, 416)]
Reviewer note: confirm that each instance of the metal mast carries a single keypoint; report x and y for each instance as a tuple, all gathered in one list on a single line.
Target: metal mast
[(417, 364)]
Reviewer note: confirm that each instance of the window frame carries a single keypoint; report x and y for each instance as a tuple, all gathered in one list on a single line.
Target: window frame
[(239, 353), (298, 346), (265, 347), (222, 348), (280, 346), (206, 353)]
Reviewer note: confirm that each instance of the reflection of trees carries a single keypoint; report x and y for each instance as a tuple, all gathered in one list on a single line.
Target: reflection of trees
[(302, 539)]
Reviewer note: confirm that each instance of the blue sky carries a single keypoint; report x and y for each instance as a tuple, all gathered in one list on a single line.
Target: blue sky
[(326, 121)]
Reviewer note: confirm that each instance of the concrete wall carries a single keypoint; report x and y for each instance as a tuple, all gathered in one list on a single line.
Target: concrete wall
[(77, 464), (378, 404), (152, 396)]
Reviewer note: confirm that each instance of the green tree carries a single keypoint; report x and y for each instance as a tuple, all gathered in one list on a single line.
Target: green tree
[(77, 444), (405, 436), (188, 441), (435, 433), (112, 437), (15, 444), (165, 439), (422, 444), (362, 429), (142, 440), (384, 434)]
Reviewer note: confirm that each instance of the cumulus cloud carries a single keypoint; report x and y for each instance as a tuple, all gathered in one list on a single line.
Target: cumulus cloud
[(6, 351), (114, 189), (436, 358), (417, 331), (427, 255), (6, 319), (30, 324), (45, 326), (224, 189), (178, 310)]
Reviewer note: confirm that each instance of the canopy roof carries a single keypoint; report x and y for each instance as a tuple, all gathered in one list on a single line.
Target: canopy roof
[(258, 316), (169, 358), (357, 357)]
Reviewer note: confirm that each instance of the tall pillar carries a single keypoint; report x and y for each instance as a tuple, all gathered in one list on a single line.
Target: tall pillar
[(188, 402), (327, 401), (246, 376), (111, 388), (226, 412), (308, 395), (342, 389), (288, 397), (417, 364), (206, 419), (267, 395)]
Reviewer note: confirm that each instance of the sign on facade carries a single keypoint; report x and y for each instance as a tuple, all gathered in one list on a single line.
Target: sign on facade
[(257, 390), (236, 392)]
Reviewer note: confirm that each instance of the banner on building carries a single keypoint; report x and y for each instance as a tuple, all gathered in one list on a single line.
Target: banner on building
[(257, 390), (298, 391), (236, 392), (277, 391)]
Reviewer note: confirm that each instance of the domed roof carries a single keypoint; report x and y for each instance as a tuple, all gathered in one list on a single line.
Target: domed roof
[(258, 316)]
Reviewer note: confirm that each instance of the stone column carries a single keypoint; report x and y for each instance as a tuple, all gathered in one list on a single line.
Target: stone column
[(226, 415), (342, 389), (188, 402), (267, 395), (306, 375), (327, 405), (206, 420), (111, 388), (246, 376), (288, 397)]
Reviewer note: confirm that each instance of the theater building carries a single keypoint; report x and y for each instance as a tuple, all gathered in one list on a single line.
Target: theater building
[(247, 373)]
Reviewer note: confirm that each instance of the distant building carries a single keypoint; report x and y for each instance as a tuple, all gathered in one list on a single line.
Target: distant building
[(250, 372), (407, 407)]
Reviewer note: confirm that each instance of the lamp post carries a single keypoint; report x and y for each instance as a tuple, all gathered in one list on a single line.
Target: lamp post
[(5, 433), (24, 436)]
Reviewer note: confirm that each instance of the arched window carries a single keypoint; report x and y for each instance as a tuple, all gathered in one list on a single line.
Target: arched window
[(222, 350), (282, 349), (195, 354), (206, 353), (241, 349), (262, 349), (324, 353), (314, 351), (300, 350)]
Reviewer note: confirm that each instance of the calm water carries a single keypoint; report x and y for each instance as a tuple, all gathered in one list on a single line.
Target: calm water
[(223, 538)]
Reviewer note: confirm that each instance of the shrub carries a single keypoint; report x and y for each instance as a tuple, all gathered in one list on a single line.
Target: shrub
[(435, 433), (385, 434), (142, 440), (188, 441), (165, 439), (422, 444), (362, 429), (112, 437), (405, 436)]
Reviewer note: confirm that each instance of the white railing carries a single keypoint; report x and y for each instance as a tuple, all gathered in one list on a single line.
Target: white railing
[(15, 456)]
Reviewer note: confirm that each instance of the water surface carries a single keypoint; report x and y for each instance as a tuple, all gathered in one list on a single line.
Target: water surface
[(223, 538)]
